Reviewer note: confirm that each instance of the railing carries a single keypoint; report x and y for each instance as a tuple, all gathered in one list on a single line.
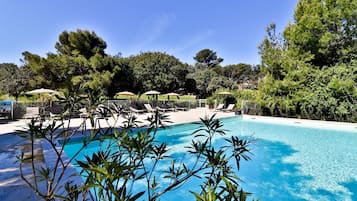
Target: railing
[(44, 107), (140, 103)]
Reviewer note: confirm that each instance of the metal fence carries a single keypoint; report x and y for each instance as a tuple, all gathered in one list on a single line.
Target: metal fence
[(139, 104), (251, 108), (44, 107)]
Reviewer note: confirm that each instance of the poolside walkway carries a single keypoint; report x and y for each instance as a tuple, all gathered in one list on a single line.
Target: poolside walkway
[(12, 187), (7, 127), (332, 125)]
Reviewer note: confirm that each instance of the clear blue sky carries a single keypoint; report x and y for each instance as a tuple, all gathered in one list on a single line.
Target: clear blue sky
[(232, 28)]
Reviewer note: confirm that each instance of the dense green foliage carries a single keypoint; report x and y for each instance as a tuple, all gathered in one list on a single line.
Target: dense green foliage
[(206, 58), (240, 73), (208, 81), (209, 76), (324, 29), (237, 97), (310, 70), (59, 70), (80, 43), (158, 71), (81, 59), (7, 71), (14, 80), (333, 94)]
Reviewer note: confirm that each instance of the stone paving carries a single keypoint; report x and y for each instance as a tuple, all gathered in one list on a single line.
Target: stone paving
[(12, 187)]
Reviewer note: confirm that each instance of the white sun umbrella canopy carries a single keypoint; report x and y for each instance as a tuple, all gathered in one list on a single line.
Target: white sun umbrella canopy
[(225, 93), (152, 92), (41, 91), (172, 94), (126, 93)]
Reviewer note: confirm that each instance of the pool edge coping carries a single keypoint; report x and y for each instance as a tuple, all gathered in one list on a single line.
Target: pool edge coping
[(320, 124)]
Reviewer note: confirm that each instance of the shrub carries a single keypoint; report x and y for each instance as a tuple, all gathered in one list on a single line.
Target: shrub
[(19, 110)]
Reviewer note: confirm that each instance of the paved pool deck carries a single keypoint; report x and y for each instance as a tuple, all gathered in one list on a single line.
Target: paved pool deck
[(333, 125), (178, 117)]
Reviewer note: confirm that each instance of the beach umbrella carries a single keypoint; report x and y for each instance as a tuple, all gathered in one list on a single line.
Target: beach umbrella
[(152, 92), (225, 93), (41, 91), (126, 93), (172, 94)]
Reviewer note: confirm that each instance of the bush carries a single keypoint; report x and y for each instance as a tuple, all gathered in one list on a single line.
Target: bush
[(237, 97), (19, 110)]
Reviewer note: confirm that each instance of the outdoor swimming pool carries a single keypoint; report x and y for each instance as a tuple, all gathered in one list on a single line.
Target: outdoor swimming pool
[(289, 162)]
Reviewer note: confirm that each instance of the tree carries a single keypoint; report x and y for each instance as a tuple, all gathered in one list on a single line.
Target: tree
[(14, 80), (123, 78), (271, 51), (180, 73), (206, 58), (220, 82), (303, 68), (157, 71), (7, 72), (50, 72), (239, 72), (80, 42), (202, 79), (80, 60), (20, 82), (190, 85), (101, 70), (333, 94), (326, 29), (207, 81)]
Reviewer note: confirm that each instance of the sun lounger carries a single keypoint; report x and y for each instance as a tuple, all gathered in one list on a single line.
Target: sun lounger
[(219, 107), (172, 109), (181, 108), (149, 108), (229, 108), (162, 109), (83, 113), (32, 112), (136, 110), (169, 108), (56, 112)]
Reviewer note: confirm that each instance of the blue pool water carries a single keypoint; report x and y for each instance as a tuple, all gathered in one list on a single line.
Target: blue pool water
[(290, 162)]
